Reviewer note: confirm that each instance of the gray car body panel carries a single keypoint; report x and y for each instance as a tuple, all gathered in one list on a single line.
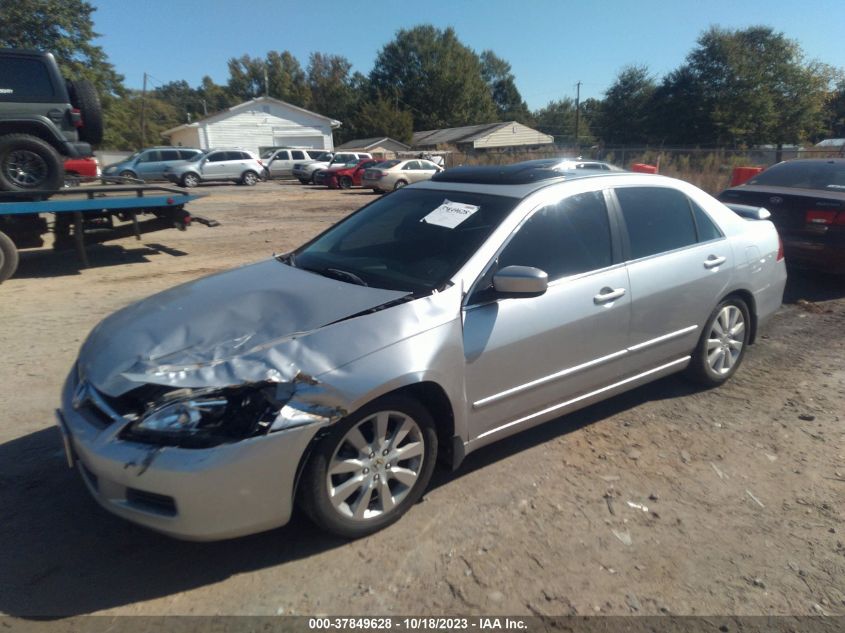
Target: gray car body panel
[(504, 365)]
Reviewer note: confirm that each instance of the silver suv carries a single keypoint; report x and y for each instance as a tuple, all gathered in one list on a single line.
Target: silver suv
[(237, 165), (280, 161), (149, 164)]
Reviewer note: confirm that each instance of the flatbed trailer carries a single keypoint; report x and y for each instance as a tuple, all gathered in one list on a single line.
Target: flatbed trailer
[(84, 215)]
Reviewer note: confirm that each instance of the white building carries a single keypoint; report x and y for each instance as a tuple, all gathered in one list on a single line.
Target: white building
[(507, 135), (258, 123)]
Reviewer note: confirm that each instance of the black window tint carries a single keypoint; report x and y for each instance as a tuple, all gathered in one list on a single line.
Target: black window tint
[(707, 230), (25, 80), (297, 155), (186, 154), (567, 238), (169, 154), (217, 157), (658, 219)]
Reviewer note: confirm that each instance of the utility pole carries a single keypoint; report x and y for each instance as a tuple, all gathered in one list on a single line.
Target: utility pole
[(144, 114), (577, 111)]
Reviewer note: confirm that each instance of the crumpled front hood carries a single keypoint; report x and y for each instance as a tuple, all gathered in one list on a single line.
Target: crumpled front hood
[(226, 329)]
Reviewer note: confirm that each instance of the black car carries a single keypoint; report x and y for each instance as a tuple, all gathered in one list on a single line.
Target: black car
[(806, 198)]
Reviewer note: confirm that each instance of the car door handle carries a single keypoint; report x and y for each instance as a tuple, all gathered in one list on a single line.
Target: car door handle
[(608, 294), (714, 260)]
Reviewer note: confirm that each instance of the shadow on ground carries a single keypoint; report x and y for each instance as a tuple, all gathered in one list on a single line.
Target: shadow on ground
[(46, 262)]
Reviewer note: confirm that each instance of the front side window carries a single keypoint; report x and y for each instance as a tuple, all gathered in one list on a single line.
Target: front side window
[(217, 157), (566, 238), (149, 157), (400, 242), (658, 219)]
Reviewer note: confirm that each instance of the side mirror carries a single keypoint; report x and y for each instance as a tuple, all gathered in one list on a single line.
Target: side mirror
[(521, 280)]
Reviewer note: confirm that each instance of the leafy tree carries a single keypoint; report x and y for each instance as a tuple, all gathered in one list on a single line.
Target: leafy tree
[(184, 99), (287, 79), (747, 87), (624, 117), (431, 73), (246, 77), (213, 97), (381, 117), (125, 131), (496, 72), (836, 112), (331, 88), (558, 119)]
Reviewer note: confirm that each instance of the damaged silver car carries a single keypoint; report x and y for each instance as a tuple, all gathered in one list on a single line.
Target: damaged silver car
[(429, 323)]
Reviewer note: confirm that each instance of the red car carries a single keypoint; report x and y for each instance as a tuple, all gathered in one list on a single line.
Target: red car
[(76, 168), (347, 175)]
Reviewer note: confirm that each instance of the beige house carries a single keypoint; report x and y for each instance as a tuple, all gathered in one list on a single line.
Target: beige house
[(482, 137), (380, 147)]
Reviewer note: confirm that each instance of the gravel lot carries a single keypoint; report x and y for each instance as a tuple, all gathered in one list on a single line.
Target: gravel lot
[(744, 486)]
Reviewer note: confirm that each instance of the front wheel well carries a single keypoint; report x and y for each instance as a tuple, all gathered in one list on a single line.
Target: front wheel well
[(748, 298)]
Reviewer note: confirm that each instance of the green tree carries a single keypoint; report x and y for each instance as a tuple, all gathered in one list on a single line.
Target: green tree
[(330, 83), (496, 72), (747, 87), (381, 117), (214, 97), (246, 77), (125, 131), (431, 73), (558, 119), (624, 117), (287, 79)]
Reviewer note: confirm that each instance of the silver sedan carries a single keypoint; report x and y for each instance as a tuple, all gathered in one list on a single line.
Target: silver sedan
[(432, 322)]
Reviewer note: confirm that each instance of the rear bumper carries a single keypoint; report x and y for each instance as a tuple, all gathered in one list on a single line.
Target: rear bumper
[(825, 253)]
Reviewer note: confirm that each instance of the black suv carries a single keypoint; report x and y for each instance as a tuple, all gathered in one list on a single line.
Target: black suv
[(42, 119)]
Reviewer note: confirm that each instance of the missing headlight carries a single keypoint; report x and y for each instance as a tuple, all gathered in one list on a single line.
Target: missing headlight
[(200, 418)]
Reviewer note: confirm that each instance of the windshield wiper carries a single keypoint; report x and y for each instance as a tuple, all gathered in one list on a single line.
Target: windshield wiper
[(343, 275)]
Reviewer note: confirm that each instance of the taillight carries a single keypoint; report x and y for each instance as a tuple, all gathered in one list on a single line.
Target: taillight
[(76, 117), (824, 217), (780, 249)]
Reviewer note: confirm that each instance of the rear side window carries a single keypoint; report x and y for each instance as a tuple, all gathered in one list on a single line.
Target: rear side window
[(185, 154), (658, 219), (707, 230), (563, 239), (169, 154), (25, 80)]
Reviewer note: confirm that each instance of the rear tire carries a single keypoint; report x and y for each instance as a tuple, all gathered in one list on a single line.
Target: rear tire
[(84, 97), (28, 163), (8, 257), (399, 184), (723, 342), (190, 180), (249, 178), (303, 181)]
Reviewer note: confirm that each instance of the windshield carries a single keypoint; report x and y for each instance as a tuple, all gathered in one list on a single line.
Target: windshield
[(194, 159), (804, 174), (388, 244), (132, 157), (268, 153), (325, 157)]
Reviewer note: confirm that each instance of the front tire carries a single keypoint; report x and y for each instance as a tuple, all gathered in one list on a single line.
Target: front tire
[(722, 345), (28, 163), (345, 182), (249, 178), (371, 468)]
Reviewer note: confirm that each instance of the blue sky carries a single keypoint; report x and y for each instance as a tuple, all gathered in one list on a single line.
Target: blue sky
[(551, 45)]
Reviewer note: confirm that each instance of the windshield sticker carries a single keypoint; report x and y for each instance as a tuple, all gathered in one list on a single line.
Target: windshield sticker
[(836, 186), (450, 214)]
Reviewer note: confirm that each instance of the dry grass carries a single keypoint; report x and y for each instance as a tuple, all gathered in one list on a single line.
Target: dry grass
[(708, 170)]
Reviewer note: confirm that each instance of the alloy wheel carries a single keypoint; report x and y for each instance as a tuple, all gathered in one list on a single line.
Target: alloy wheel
[(26, 168), (726, 339), (375, 465)]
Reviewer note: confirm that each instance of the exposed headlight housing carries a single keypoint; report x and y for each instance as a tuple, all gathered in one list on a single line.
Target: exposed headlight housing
[(196, 418)]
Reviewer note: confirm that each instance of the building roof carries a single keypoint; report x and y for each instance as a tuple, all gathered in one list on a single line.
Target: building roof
[(367, 143), (831, 142), (247, 105), (465, 134)]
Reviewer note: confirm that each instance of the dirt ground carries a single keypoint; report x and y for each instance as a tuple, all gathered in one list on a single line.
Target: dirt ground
[(665, 500)]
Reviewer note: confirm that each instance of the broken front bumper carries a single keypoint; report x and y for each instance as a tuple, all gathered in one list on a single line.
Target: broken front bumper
[(196, 494)]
